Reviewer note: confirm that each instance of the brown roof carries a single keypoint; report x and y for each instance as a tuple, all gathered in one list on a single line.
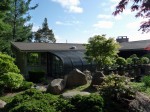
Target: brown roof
[(29, 46)]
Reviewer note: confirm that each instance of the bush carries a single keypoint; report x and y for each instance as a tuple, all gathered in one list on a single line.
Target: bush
[(90, 103), (146, 81), (32, 101), (144, 60), (34, 106), (12, 80), (25, 85), (7, 64), (36, 76), (63, 105), (121, 61), (116, 87)]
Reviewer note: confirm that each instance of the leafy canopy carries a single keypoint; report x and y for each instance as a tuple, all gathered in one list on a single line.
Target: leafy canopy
[(143, 10), (101, 50)]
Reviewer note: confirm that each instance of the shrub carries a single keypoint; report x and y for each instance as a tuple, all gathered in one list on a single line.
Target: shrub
[(34, 106), (36, 76), (25, 85), (146, 81), (7, 64), (32, 101), (63, 105), (90, 103), (12, 80), (116, 87), (121, 61), (144, 60)]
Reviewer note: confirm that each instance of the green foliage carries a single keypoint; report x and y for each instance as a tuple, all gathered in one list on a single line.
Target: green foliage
[(129, 60), (12, 80), (146, 81), (7, 64), (102, 51), (45, 34), (144, 60), (63, 105), (32, 101), (36, 76), (33, 106), (19, 17), (115, 86), (25, 85), (121, 61), (90, 103), (36, 101)]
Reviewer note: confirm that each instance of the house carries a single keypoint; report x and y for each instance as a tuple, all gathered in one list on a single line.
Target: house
[(58, 59), (55, 59), (140, 48)]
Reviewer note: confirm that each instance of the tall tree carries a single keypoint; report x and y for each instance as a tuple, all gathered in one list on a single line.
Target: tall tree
[(14, 15), (102, 51), (45, 34), (17, 17), (143, 8), (4, 27)]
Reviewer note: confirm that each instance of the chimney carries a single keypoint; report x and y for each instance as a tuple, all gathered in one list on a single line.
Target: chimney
[(121, 39)]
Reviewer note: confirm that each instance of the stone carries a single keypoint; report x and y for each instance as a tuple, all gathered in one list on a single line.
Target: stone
[(74, 93), (141, 103), (76, 78), (56, 86), (2, 104), (88, 75), (98, 78)]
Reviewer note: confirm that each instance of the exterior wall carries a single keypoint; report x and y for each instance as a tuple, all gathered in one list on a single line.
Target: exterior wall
[(22, 63)]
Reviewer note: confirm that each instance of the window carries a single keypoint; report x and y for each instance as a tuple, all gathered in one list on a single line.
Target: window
[(33, 59)]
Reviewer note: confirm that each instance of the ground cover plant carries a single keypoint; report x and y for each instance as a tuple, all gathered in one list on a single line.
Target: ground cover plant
[(36, 101)]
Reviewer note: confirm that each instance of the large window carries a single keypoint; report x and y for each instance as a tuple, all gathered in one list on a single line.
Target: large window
[(57, 66), (33, 59)]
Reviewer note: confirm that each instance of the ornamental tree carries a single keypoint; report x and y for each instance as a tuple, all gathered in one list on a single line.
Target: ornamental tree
[(101, 51), (143, 10)]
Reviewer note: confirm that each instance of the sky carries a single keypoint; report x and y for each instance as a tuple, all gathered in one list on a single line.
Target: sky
[(75, 21)]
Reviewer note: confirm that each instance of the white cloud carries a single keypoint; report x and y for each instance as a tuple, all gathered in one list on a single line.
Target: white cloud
[(59, 23), (75, 9), (67, 23), (103, 24), (104, 16), (35, 28), (139, 36), (71, 5), (118, 17), (133, 25), (127, 12)]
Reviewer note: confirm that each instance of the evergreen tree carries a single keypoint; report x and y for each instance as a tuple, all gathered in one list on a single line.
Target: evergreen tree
[(45, 34), (5, 29), (17, 17), (13, 18)]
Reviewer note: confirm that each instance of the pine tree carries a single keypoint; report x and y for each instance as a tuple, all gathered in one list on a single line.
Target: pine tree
[(45, 34), (17, 17)]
